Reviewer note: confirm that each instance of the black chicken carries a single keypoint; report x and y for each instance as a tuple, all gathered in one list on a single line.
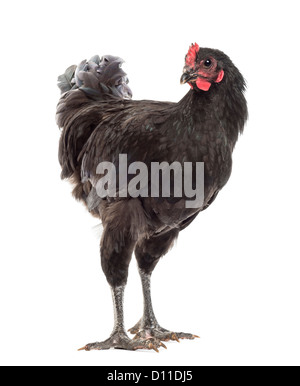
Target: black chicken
[(99, 122)]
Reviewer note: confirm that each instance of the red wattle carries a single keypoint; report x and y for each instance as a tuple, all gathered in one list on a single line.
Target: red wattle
[(203, 84)]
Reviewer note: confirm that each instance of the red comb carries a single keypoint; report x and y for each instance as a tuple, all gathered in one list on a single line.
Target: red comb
[(191, 55)]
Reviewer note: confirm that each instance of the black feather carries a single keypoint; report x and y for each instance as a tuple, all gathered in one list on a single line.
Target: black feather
[(99, 124), (66, 80)]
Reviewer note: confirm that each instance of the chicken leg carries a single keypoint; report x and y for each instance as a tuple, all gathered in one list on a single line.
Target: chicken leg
[(119, 338), (117, 246), (148, 253)]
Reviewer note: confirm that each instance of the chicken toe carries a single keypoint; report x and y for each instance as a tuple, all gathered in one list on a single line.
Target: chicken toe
[(123, 342)]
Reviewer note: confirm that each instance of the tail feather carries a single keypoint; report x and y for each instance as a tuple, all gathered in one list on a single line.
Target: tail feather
[(97, 77), (66, 81)]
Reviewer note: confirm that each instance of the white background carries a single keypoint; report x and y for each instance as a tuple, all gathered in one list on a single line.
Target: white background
[(233, 277)]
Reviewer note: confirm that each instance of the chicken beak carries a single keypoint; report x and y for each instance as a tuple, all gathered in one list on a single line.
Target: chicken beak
[(186, 77)]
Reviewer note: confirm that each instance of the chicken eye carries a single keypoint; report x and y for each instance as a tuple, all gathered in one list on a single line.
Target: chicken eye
[(207, 63)]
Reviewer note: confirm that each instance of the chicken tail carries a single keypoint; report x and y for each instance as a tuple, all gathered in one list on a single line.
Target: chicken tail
[(97, 77)]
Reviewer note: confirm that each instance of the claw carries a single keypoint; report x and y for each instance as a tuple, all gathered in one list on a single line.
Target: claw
[(152, 347), (163, 345), (174, 337), (196, 336), (133, 331), (83, 348)]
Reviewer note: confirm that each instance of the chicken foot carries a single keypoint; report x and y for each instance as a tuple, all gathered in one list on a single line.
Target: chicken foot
[(118, 338), (147, 327)]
